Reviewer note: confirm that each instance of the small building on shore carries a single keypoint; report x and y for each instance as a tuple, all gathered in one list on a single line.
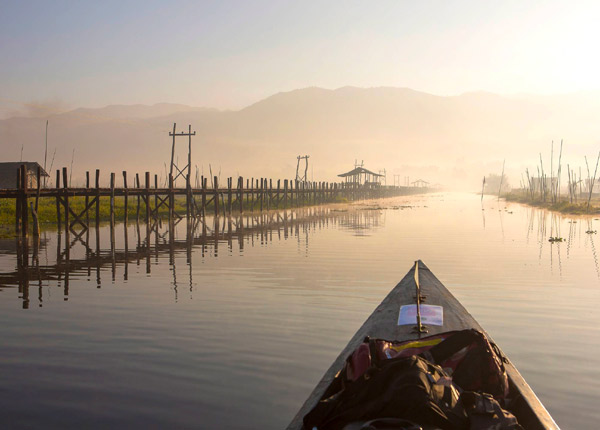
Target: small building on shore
[(359, 176), (8, 174)]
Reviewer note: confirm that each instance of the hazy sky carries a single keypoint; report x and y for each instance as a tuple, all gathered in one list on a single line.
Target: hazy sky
[(228, 54)]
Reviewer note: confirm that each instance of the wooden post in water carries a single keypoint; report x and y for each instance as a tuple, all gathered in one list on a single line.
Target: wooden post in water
[(38, 186), (229, 195), (188, 185), (125, 223), (204, 185), (139, 187), (252, 195), (156, 197), (58, 215), (34, 209), (241, 193), (269, 188), (171, 200), (112, 200), (125, 201), (147, 216), (216, 198), (18, 218), (97, 183), (278, 192), (285, 192), (262, 192), (112, 220), (66, 203), (97, 198), (87, 199)]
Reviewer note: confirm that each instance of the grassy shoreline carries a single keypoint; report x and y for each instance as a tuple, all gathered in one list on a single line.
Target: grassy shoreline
[(563, 206), (48, 220)]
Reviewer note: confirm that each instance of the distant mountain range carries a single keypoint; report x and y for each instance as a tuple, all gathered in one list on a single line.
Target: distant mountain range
[(453, 140)]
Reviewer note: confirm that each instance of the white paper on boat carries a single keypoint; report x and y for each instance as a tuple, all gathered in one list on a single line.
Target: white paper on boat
[(430, 314)]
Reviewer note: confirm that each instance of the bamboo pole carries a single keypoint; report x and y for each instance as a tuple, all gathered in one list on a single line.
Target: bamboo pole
[(592, 181)]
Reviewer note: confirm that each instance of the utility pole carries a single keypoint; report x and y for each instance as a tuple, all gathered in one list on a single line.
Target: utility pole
[(298, 177), (186, 170)]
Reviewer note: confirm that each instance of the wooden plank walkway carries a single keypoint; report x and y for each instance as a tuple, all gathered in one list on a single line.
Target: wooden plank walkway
[(254, 195)]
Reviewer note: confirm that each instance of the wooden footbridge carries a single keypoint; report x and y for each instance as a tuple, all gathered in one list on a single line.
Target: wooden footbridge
[(149, 199)]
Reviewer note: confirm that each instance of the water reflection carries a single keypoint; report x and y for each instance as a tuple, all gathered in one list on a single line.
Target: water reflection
[(82, 254), (160, 343), (548, 228)]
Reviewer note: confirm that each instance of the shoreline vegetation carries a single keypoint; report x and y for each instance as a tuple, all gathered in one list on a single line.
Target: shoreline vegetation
[(542, 188), (562, 205), (47, 215)]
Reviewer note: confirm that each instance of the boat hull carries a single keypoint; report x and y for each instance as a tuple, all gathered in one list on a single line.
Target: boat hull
[(383, 324)]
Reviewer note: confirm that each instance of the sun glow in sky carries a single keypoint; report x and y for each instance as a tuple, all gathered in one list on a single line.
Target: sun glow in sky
[(230, 54)]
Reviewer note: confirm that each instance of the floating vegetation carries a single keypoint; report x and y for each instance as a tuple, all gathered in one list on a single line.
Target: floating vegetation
[(556, 239)]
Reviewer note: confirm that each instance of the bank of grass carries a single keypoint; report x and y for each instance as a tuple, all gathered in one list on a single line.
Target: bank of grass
[(47, 209), (563, 205)]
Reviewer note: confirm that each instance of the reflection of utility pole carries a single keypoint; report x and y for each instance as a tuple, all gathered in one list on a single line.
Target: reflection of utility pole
[(298, 177)]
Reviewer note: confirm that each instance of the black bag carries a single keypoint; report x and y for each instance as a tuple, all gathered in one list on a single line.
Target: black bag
[(485, 413), (479, 366), (410, 388), (474, 363)]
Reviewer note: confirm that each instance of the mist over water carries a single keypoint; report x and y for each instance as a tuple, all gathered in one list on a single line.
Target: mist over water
[(231, 326)]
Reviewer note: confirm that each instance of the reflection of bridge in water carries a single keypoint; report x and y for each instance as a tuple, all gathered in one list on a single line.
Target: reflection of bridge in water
[(83, 254)]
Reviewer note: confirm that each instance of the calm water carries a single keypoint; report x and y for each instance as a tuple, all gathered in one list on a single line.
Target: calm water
[(232, 330)]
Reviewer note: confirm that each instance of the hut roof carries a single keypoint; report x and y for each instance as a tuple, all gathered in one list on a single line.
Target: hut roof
[(8, 172), (14, 165), (357, 171)]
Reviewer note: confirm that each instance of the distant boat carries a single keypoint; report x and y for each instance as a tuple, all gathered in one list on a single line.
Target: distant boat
[(384, 324)]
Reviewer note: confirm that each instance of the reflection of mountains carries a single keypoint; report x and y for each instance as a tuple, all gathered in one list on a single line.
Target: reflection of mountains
[(205, 236)]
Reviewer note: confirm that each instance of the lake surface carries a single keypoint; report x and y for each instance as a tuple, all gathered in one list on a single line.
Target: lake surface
[(232, 330)]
